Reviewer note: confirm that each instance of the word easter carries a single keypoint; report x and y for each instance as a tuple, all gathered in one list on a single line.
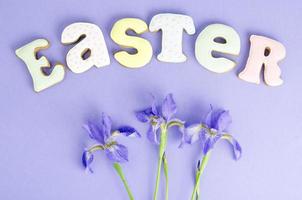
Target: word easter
[(90, 49)]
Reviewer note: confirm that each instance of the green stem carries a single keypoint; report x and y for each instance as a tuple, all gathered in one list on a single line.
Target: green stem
[(157, 178), (204, 162), (196, 177), (162, 147), (166, 175), (119, 170)]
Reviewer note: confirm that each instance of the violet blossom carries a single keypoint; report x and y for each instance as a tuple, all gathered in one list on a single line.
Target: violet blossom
[(105, 139), (160, 119), (209, 132)]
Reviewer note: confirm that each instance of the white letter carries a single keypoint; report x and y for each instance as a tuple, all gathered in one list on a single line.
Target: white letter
[(172, 26), (93, 44)]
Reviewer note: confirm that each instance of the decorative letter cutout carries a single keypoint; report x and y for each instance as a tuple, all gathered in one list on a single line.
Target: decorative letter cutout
[(27, 53), (143, 46), (264, 52), (93, 44), (172, 26), (207, 43)]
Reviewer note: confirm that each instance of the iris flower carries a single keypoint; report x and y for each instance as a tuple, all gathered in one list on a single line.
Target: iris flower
[(105, 139), (209, 132), (160, 119)]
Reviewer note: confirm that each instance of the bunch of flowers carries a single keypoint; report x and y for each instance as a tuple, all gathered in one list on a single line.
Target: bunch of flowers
[(160, 118)]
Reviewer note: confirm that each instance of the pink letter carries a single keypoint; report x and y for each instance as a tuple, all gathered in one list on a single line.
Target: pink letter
[(264, 52)]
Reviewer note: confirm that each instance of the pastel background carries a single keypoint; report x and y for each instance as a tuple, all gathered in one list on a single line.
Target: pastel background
[(41, 139)]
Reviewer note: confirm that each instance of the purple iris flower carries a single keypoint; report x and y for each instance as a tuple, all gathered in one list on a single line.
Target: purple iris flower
[(159, 117), (105, 137), (211, 130)]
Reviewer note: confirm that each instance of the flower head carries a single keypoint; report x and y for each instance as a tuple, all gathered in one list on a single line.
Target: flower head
[(158, 117), (211, 130), (105, 139)]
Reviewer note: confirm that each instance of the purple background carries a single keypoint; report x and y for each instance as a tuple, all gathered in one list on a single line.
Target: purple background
[(41, 136)]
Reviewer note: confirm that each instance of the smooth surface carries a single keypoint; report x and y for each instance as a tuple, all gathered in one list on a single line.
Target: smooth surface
[(41, 136)]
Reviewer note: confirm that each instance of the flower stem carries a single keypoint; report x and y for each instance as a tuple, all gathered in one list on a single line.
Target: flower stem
[(197, 175), (199, 172), (119, 170), (157, 178), (162, 147), (166, 175)]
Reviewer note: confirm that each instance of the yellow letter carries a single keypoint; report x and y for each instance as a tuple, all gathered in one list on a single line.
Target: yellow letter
[(27, 53), (143, 47)]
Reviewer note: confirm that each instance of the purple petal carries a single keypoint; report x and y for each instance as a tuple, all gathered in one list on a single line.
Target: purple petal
[(212, 117), (154, 106), (117, 153), (94, 132), (153, 134), (223, 121), (203, 135), (210, 142), (237, 150), (168, 108), (208, 145), (105, 126), (183, 139), (128, 131), (191, 134), (208, 119), (91, 129), (87, 159), (218, 119), (144, 115)]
